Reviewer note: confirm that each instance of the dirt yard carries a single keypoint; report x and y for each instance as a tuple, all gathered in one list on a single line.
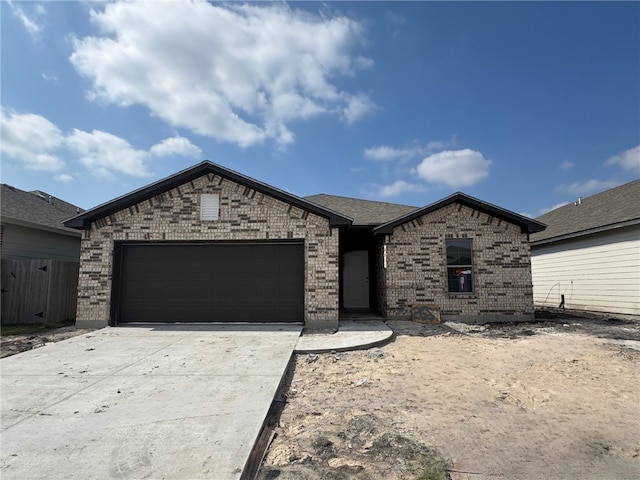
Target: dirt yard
[(12, 344), (558, 398)]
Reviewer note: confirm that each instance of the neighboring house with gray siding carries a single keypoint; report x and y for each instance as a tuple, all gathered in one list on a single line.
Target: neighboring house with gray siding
[(40, 258), (209, 244), (32, 228), (589, 255)]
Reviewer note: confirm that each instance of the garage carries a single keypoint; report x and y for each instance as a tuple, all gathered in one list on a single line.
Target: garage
[(210, 282), (208, 244)]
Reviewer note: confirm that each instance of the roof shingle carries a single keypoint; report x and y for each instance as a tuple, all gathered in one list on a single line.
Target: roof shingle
[(36, 208), (363, 212), (604, 210)]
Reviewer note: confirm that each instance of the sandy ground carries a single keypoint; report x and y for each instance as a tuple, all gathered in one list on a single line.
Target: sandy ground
[(554, 399)]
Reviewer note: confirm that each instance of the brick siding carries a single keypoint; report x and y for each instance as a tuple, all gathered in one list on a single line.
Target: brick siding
[(416, 270), (245, 214)]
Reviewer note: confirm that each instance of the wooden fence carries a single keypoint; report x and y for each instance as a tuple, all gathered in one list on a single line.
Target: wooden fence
[(38, 291)]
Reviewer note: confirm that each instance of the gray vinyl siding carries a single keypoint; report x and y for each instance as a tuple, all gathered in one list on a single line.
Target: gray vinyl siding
[(599, 272), (28, 243)]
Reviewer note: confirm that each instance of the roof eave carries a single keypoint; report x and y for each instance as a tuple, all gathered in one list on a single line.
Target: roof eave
[(39, 226), (582, 233), (84, 220)]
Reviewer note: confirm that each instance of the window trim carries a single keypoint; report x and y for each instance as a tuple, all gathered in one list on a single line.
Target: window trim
[(465, 266)]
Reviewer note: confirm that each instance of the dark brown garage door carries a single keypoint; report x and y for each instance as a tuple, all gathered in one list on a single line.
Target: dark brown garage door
[(220, 282)]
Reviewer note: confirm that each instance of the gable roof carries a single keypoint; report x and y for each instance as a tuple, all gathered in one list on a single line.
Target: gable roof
[(603, 211), (36, 209), (363, 212), (83, 221), (526, 224)]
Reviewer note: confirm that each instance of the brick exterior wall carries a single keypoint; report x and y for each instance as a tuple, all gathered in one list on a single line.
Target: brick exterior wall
[(416, 270), (245, 214)]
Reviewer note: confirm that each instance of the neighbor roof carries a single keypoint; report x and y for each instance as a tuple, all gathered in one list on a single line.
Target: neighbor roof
[(610, 209), (363, 212), (83, 221), (527, 225), (35, 209)]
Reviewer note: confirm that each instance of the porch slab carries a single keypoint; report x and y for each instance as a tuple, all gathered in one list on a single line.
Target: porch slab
[(351, 335)]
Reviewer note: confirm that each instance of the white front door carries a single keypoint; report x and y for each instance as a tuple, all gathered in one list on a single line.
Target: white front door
[(356, 279)]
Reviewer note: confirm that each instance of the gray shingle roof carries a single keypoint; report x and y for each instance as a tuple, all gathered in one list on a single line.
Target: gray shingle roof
[(34, 208), (363, 212), (609, 209)]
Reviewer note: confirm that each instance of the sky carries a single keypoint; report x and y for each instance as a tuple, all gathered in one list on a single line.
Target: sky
[(526, 105)]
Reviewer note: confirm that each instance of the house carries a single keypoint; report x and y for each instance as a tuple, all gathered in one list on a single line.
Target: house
[(31, 226), (40, 257), (588, 258), (209, 244)]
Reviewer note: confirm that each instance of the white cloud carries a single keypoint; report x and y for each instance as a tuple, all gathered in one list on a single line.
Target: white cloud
[(628, 160), (358, 106), (386, 153), (28, 22), (50, 77), (64, 177), (31, 139), (546, 210), (38, 144), (457, 168), (104, 153), (587, 187), (438, 145), (237, 73), (45, 161), (364, 62), (400, 186), (175, 146), (567, 165)]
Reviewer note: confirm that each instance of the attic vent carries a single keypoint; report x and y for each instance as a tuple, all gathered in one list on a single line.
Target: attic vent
[(209, 206)]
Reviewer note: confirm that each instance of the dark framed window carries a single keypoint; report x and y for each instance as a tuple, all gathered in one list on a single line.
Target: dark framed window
[(460, 265)]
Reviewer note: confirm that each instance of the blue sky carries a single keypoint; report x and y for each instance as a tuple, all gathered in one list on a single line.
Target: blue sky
[(524, 105)]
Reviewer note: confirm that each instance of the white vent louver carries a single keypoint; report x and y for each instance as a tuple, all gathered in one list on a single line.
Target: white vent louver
[(209, 206)]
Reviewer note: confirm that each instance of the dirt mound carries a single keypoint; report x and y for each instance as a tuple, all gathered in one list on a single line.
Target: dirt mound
[(362, 447)]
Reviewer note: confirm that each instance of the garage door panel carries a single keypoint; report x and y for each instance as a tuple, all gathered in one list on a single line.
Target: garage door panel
[(212, 282)]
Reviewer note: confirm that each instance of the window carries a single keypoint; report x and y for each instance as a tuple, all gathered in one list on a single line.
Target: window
[(209, 206), (459, 266)]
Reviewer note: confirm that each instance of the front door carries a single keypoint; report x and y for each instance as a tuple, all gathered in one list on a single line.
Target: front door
[(356, 279)]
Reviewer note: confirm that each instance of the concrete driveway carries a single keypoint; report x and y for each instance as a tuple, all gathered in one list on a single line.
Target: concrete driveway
[(166, 402)]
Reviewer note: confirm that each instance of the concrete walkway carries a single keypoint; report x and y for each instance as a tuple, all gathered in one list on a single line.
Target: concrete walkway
[(352, 335), (141, 402)]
